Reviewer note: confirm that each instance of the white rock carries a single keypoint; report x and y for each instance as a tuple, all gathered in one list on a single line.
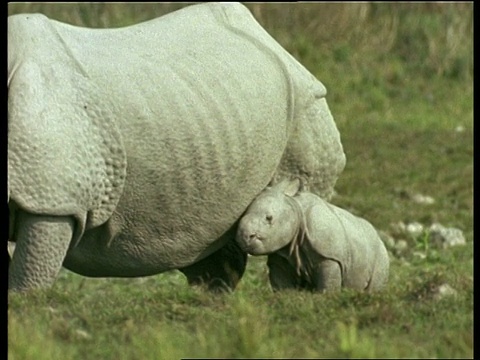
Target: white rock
[(398, 227), (82, 334), (436, 227), (419, 254), (401, 245), (415, 229), (444, 290), (446, 237), (423, 199)]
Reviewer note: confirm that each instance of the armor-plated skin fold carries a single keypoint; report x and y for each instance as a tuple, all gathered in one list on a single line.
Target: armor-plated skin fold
[(154, 138)]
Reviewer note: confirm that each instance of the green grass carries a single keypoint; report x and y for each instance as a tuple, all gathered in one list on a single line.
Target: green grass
[(398, 105), (160, 317)]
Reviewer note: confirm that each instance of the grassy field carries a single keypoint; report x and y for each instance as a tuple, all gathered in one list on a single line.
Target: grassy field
[(400, 83)]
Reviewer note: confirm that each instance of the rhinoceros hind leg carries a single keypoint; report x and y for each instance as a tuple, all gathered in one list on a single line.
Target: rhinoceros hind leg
[(41, 245), (220, 271), (380, 274)]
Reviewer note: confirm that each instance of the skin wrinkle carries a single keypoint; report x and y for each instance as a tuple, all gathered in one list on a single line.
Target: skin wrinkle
[(322, 241), (303, 263), (300, 233), (84, 103), (69, 52)]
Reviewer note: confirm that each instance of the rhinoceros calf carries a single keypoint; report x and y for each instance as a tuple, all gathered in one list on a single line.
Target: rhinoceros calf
[(135, 150), (311, 243)]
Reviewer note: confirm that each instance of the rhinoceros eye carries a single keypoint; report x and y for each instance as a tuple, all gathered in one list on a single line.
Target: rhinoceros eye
[(269, 218)]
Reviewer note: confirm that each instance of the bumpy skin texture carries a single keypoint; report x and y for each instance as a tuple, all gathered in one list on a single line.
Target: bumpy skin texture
[(311, 243), (153, 139)]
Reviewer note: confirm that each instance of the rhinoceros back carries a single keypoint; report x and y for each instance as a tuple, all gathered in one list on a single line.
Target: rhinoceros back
[(314, 151), (204, 114), (205, 104), (208, 131)]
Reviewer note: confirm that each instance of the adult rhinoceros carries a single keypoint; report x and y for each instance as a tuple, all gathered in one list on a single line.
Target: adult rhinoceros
[(134, 151)]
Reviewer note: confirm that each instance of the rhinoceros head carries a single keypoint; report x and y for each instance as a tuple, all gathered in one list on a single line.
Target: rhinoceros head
[(272, 220)]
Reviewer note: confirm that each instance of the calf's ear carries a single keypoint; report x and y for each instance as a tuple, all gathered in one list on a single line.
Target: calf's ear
[(288, 187), (292, 187)]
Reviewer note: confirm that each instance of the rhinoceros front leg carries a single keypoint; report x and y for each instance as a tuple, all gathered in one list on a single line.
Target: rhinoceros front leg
[(281, 273), (328, 275), (41, 245), (220, 271)]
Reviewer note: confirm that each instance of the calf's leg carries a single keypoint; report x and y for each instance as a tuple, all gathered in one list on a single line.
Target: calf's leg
[(328, 275), (282, 274)]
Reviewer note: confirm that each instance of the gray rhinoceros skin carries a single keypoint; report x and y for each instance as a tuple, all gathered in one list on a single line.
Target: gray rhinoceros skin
[(133, 151), (312, 244)]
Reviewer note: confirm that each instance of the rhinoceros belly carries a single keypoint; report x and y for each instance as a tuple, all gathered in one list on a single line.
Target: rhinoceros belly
[(203, 138)]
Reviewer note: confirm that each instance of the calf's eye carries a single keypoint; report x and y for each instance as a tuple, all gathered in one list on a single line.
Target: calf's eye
[(269, 218)]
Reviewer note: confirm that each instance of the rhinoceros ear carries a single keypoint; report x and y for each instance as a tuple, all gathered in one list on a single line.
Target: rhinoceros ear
[(288, 187), (293, 187)]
